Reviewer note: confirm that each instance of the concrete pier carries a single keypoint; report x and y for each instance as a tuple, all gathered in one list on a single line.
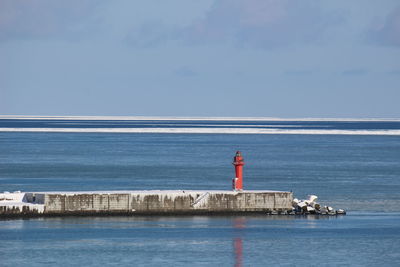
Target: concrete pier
[(152, 202)]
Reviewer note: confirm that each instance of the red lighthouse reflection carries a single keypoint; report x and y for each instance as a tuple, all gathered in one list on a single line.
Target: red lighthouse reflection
[(238, 224)]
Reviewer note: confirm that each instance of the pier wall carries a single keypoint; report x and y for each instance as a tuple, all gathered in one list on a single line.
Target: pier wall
[(150, 202)]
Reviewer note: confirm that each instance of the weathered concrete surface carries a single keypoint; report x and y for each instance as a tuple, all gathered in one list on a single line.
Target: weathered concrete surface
[(154, 202)]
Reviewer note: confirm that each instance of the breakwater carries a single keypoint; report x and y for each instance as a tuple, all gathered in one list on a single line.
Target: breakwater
[(152, 202)]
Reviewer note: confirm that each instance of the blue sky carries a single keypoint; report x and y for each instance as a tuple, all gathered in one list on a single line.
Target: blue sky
[(267, 58)]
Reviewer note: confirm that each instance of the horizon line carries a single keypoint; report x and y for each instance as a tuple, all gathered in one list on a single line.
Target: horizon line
[(178, 118)]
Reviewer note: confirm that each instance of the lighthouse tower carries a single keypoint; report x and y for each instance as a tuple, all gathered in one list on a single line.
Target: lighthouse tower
[(238, 162)]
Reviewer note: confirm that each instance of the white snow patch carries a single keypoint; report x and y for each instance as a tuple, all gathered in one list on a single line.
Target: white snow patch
[(11, 197), (18, 200)]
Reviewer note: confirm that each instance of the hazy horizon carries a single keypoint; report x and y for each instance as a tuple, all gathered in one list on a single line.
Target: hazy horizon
[(255, 118)]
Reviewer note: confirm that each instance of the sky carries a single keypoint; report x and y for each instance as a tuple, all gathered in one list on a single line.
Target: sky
[(245, 58)]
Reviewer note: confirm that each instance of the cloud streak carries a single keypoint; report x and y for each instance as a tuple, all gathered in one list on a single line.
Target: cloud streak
[(39, 19), (253, 23), (260, 23), (387, 33), (149, 34), (185, 71), (355, 72)]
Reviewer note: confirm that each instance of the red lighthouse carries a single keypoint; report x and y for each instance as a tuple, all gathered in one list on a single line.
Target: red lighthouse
[(238, 162)]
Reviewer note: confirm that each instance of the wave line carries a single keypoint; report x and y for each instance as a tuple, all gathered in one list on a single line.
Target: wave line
[(206, 131)]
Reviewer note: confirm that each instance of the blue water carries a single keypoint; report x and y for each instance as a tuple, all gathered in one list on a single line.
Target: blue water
[(358, 173), (98, 123)]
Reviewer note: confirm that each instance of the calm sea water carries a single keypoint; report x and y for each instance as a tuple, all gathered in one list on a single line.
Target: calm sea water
[(360, 173)]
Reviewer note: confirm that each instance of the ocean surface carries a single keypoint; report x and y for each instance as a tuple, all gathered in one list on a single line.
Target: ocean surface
[(354, 165)]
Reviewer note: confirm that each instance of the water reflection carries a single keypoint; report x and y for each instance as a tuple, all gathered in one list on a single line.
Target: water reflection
[(243, 229), (238, 247), (239, 224)]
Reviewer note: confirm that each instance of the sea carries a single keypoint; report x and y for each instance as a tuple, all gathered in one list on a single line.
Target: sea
[(349, 164)]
